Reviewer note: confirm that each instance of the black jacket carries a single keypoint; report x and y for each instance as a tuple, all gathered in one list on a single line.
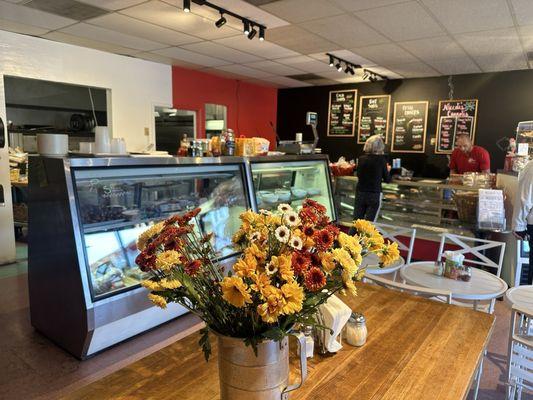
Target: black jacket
[(371, 171)]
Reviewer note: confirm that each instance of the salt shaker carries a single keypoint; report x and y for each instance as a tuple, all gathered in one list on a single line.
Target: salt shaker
[(356, 332), (309, 341)]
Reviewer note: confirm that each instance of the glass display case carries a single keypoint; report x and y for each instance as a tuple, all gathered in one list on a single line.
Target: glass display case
[(85, 217), (291, 180), (116, 204)]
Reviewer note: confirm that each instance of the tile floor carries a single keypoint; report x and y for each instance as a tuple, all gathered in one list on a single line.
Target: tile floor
[(34, 368)]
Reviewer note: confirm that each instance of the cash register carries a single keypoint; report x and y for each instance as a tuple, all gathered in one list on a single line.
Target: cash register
[(298, 146)]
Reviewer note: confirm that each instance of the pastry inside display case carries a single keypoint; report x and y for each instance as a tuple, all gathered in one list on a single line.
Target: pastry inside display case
[(117, 204), (292, 182)]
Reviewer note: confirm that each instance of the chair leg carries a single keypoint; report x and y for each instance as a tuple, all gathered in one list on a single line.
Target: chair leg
[(478, 378)]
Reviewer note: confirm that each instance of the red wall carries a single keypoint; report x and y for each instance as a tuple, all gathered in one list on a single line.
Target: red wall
[(250, 107)]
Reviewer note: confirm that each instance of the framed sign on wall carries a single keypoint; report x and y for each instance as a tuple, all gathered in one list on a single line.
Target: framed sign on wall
[(341, 112), (455, 117), (373, 117), (409, 125)]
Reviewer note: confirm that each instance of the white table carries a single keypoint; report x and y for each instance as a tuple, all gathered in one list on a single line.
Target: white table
[(371, 262), (521, 296), (482, 286)]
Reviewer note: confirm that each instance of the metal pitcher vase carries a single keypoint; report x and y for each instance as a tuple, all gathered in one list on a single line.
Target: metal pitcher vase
[(245, 376)]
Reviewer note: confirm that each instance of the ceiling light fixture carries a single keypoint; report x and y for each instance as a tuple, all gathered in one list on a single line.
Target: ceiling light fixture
[(347, 69), (187, 6), (338, 66), (252, 33), (373, 76), (331, 61), (336, 62), (246, 29), (221, 22), (261, 33)]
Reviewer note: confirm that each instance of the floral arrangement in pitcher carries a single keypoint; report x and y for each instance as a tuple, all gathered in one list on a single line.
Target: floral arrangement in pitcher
[(291, 263)]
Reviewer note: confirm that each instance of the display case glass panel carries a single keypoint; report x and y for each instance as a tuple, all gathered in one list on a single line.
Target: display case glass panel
[(117, 204), (292, 182)]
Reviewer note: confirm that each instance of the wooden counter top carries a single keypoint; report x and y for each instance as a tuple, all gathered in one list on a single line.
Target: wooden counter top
[(416, 349)]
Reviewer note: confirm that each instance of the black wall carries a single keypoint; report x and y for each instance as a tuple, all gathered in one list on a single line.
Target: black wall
[(505, 98)]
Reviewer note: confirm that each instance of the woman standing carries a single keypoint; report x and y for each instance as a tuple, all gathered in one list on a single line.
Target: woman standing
[(372, 169)]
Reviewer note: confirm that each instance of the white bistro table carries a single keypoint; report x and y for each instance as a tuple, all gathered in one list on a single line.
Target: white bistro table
[(482, 286), (371, 262), (520, 296)]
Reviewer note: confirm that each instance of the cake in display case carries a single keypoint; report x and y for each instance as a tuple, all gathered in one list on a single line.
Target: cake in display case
[(291, 180)]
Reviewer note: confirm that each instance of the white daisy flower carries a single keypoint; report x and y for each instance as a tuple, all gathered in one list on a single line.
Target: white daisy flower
[(291, 218), (282, 234), (283, 207), (296, 243), (270, 269), (255, 236), (264, 212)]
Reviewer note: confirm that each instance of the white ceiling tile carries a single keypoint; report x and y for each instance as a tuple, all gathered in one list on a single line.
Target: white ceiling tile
[(167, 60), (413, 70), (526, 34), (287, 82), (455, 66), (345, 30), (164, 14), (85, 42), (219, 51), (470, 15), (301, 10), (108, 36), (245, 71), (388, 53), (112, 4), (191, 57), (298, 39), (274, 68), (502, 62), (304, 63), (437, 48), (490, 42), (31, 16), (12, 26), (262, 83), (321, 82), (358, 5), (403, 21), (349, 56), (131, 26), (333, 74), (523, 10), (263, 49)]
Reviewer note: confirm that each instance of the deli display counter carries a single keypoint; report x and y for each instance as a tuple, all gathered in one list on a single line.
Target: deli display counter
[(85, 216)]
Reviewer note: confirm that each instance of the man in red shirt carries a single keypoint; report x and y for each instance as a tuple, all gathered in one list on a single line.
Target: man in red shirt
[(469, 158)]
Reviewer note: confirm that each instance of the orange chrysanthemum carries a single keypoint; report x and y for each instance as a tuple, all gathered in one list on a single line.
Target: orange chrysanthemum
[(314, 279)]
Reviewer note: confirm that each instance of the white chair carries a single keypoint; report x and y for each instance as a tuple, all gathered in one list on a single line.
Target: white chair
[(393, 232), (473, 248), (434, 294), (520, 262), (520, 358)]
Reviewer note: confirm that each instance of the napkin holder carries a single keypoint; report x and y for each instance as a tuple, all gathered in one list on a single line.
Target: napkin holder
[(333, 315)]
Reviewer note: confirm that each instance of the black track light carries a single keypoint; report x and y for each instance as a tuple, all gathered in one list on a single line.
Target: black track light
[(347, 69), (221, 22), (352, 72), (252, 33), (338, 66), (365, 75), (187, 6), (246, 27), (331, 61), (261, 33)]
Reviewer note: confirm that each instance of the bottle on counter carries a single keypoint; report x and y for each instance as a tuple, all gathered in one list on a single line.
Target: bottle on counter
[(184, 146), (229, 143)]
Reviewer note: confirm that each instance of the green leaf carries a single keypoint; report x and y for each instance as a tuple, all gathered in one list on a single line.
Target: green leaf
[(204, 342)]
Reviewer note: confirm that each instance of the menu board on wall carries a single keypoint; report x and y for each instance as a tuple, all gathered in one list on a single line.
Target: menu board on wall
[(373, 117), (456, 117), (409, 127), (341, 114)]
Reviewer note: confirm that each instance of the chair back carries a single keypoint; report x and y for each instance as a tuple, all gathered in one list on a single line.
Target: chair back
[(520, 361), (475, 248), (393, 232), (440, 294)]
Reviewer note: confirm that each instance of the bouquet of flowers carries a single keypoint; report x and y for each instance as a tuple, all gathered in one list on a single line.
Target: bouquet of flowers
[(291, 263)]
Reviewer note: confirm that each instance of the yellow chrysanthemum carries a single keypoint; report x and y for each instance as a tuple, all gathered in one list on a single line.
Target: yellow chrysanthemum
[(344, 258), (351, 244), (389, 253), (365, 227), (170, 284), (256, 252), (348, 284), (158, 300), (294, 297), (249, 217), (272, 308), (273, 220), (144, 237), (238, 236), (261, 282), (167, 259), (246, 266), (235, 291), (151, 285), (283, 264), (328, 262)]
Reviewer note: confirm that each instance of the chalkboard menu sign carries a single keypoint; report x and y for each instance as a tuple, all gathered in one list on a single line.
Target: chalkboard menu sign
[(409, 127), (456, 117), (341, 115), (373, 117)]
